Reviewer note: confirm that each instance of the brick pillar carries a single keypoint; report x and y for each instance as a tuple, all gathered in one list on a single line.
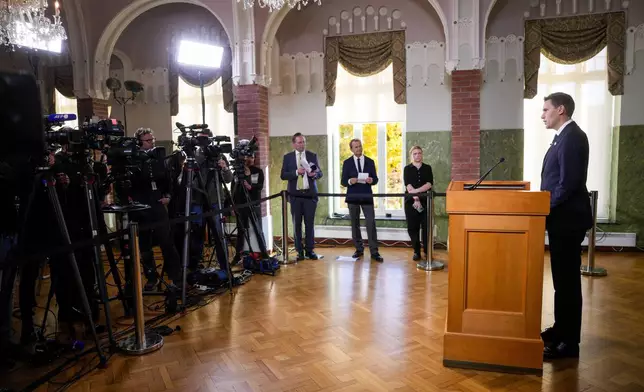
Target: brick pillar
[(252, 120), (466, 124), (89, 107)]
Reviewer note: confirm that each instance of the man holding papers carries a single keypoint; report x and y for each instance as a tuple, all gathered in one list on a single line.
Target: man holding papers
[(302, 170), (359, 175)]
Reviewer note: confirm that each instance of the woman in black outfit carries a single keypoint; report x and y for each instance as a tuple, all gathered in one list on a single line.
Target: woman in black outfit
[(253, 182), (418, 178)]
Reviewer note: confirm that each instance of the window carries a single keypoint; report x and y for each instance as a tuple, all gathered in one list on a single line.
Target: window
[(218, 119), (365, 109), (594, 107), (66, 105)]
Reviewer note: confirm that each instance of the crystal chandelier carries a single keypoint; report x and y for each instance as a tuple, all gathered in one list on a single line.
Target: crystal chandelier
[(23, 23), (274, 5)]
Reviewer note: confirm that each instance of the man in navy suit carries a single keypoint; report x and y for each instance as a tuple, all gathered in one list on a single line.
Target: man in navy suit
[(564, 173), (302, 170), (353, 168)]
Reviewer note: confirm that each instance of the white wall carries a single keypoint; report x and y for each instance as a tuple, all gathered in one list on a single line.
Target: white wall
[(502, 88), (291, 113), (633, 99), (429, 98)]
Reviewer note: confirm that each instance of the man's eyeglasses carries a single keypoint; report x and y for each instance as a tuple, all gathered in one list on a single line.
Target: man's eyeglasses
[(149, 140)]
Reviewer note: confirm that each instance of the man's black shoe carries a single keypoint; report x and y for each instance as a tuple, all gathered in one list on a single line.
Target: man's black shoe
[(358, 254), (416, 257), (377, 257), (314, 256), (560, 351), (549, 336), (300, 256)]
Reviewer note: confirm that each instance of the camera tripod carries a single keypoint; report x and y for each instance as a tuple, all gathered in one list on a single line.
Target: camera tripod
[(97, 226), (191, 167), (45, 178), (253, 219)]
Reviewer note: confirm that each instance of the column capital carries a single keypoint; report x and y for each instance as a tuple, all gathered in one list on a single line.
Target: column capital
[(466, 47), (245, 48)]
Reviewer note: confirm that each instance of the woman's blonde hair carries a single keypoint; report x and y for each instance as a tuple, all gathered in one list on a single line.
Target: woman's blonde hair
[(415, 148)]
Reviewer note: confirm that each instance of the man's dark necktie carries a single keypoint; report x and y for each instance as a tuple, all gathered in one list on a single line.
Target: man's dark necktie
[(554, 140), (359, 167)]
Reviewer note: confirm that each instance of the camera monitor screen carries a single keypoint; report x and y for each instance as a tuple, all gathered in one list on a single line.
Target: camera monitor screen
[(21, 121)]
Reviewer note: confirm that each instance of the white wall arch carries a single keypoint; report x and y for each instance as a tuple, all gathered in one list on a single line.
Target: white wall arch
[(79, 53), (115, 28), (276, 18), (127, 63), (483, 36)]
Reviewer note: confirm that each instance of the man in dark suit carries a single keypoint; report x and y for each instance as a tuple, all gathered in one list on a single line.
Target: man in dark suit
[(302, 170), (565, 168), (359, 175)]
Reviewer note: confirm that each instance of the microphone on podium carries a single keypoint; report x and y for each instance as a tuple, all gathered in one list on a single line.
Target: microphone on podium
[(484, 176)]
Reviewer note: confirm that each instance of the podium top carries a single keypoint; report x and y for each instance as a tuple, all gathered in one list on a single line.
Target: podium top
[(496, 198), (490, 185)]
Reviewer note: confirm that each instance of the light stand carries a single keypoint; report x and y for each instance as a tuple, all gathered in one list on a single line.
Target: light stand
[(132, 86), (200, 56), (430, 264), (203, 99)]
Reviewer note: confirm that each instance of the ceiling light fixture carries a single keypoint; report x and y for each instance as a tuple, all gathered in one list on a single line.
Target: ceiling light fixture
[(275, 5)]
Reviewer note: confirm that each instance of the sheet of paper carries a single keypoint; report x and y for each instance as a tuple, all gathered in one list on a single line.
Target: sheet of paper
[(305, 165), (362, 177), (345, 258)]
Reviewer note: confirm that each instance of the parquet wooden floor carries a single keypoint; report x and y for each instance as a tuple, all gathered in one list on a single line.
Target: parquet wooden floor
[(341, 326)]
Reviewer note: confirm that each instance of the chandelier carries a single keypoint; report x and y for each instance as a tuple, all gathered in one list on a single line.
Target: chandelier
[(274, 5), (23, 23)]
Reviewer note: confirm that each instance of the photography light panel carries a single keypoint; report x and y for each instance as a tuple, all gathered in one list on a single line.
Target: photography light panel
[(199, 54)]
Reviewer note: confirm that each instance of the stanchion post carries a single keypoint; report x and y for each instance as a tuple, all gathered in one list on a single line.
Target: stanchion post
[(430, 264), (142, 342), (590, 270), (285, 259)]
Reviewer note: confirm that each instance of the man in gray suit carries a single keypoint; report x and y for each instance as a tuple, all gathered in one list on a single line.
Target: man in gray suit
[(302, 170)]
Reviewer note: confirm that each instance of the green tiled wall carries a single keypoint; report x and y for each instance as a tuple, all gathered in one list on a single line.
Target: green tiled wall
[(281, 145), (506, 143), (437, 153), (629, 177)]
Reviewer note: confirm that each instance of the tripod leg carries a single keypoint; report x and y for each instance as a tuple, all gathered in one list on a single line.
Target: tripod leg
[(220, 229), (189, 173), (109, 252), (258, 233), (124, 244), (50, 295), (62, 226), (92, 205)]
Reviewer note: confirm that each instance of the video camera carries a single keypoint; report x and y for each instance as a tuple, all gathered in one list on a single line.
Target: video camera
[(194, 136), (244, 148), (89, 136), (125, 157)]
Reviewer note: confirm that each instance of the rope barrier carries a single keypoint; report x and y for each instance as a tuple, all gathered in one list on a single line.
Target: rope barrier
[(100, 240)]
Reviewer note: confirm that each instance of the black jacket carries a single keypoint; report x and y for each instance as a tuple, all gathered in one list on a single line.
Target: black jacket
[(564, 174)]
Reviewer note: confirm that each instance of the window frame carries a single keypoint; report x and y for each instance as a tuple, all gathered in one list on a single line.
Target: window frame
[(381, 212)]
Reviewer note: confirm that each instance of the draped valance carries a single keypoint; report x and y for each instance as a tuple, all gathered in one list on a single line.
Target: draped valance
[(366, 55), (575, 39)]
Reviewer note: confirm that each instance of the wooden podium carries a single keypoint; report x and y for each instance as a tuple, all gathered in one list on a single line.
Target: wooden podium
[(496, 256)]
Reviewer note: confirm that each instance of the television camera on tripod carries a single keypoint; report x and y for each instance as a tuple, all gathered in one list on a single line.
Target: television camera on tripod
[(204, 172), (30, 185), (248, 216)]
